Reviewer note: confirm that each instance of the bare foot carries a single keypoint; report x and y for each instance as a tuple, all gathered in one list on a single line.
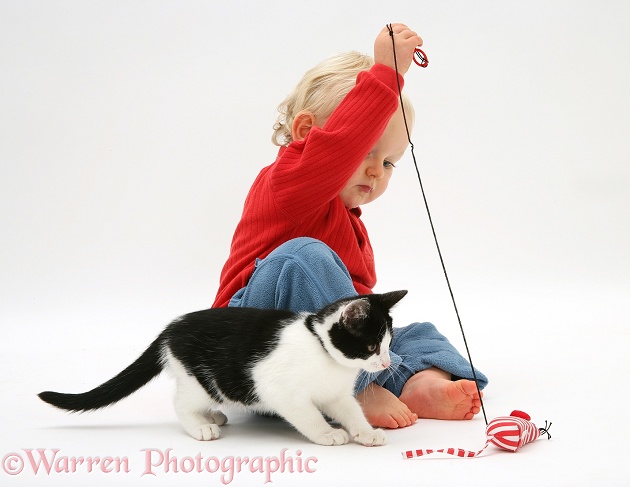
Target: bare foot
[(383, 409), (432, 394)]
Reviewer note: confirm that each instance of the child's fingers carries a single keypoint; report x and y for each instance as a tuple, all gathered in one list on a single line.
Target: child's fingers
[(409, 37), (405, 33), (406, 40), (398, 28)]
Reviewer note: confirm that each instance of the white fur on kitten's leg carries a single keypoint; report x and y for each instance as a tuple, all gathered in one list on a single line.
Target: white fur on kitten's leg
[(217, 417), (374, 437), (348, 412), (198, 422), (202, 426), (309, 421), (333, 438), (192, 406), (198, 429)]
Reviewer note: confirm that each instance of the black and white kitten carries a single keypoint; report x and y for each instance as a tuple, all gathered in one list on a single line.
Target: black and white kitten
[(297, 366)]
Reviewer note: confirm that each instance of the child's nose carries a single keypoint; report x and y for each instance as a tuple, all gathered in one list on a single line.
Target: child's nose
[(375, 170)]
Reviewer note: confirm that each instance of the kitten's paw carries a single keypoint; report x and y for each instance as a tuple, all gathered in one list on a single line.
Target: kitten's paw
[(205, 432), (374, 437), (218, 418), (334, 437)]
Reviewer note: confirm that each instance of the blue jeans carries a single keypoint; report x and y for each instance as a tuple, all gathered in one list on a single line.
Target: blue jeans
[(305, 274)]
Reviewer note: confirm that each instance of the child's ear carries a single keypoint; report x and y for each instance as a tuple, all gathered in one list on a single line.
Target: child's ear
[(302, 123)]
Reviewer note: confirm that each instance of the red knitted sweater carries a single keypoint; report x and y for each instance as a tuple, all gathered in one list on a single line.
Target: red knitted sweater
[(298, 194)]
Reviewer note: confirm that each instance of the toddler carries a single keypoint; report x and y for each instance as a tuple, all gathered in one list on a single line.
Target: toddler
[(301, 244)]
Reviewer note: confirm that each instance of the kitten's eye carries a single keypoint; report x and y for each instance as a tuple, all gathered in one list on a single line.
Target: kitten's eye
[(371, 348)]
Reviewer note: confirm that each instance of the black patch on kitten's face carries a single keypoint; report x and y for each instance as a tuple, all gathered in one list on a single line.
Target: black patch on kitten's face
[(363, 324)]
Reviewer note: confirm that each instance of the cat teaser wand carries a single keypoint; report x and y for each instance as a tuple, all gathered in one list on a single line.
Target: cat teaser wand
[(506, 432)]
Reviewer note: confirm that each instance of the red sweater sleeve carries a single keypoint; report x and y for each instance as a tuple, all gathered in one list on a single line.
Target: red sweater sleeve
[(313, 171)]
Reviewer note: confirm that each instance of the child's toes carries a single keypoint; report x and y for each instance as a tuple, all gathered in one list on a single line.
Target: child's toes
[(405, 418)]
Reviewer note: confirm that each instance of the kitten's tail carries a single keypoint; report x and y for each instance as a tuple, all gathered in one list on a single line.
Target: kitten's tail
[(148, 366)]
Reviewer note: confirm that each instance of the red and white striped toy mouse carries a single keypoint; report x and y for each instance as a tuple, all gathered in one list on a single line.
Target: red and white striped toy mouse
[(506, 432)]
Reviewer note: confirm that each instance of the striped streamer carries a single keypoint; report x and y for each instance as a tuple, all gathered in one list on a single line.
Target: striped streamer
[(506, 432)]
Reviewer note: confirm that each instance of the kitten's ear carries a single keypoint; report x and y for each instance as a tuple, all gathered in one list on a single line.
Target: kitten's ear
[(353, 315), (356, 310), (391, 298)]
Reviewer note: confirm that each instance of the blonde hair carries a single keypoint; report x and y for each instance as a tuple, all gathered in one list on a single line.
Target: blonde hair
[(320, 91)]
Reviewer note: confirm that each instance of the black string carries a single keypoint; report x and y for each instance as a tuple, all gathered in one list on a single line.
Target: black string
[(545, 430), (426, 205)]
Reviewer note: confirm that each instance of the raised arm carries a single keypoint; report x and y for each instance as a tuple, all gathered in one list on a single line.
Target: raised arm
[(313, 171)]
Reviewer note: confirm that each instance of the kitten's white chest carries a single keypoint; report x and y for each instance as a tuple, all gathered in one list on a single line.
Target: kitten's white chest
[(300, 366)]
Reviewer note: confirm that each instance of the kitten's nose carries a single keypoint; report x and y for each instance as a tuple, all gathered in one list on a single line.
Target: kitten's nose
[(386, 360)]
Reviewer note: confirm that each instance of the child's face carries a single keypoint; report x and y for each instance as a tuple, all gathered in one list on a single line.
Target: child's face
[(370, 180)]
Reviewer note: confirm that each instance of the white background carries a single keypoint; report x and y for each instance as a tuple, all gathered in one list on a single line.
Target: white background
[(130, 132)]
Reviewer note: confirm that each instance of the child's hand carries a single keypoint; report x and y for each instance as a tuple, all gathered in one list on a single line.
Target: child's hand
[(405, 40)]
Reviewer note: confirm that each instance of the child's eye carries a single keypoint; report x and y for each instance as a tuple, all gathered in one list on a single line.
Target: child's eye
[(389, 164), (371, 348)]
